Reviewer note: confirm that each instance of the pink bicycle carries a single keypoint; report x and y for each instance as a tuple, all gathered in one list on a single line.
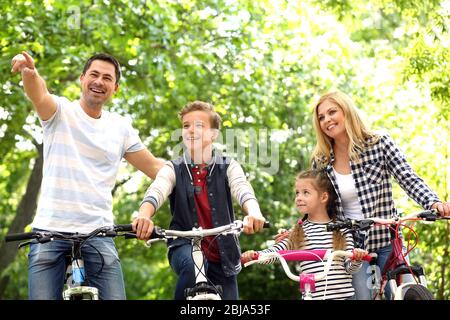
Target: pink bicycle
[(306, 280)]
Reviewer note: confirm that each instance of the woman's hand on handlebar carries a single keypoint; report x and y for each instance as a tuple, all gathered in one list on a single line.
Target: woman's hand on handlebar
[(282, 234), (443, 208)]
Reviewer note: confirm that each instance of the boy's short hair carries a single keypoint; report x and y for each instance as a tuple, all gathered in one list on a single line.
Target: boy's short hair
[(215, 119)]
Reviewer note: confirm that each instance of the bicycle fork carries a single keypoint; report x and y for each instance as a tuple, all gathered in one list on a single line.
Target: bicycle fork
[(201, 290), (375, 281), (76, 282), (199, 262)]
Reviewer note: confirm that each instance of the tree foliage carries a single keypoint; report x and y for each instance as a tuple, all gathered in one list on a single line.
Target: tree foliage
[(262, 64)]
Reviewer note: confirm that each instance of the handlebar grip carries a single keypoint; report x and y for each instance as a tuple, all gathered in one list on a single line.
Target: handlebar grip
[(332, 226), (370, 257), (429, 215), (267, 225), (20, 236), (123, 227)]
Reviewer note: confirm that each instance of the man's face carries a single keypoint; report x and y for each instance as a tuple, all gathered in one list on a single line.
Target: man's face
[(98, 84)]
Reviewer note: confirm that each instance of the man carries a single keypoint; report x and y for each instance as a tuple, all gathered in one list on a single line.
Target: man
[(83, 148)]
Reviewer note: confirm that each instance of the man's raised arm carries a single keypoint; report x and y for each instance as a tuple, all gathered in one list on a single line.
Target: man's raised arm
[(34, 85)]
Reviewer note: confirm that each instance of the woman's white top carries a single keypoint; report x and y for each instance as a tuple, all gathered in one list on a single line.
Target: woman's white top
[(349, 197)]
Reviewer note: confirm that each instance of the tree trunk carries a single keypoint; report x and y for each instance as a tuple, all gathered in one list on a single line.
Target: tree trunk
[(24, 215)]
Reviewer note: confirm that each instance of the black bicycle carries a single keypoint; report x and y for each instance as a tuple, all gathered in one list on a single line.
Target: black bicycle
[(75, 287)]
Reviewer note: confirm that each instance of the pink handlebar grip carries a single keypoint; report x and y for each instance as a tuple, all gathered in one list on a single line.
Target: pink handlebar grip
[(303, 255), (368, 257)]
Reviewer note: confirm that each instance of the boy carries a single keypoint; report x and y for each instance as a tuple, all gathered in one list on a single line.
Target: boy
[(200, 185)]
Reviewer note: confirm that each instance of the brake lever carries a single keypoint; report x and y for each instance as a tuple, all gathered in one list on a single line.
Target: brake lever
[(24, 244)]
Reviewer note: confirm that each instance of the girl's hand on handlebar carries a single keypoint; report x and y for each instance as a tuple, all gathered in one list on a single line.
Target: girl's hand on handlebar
[(247, 256), (359, 254)]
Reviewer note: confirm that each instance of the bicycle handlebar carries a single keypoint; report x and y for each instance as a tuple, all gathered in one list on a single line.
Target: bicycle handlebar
[(160, 234), (365, 224), (305, 255), (46, 236)]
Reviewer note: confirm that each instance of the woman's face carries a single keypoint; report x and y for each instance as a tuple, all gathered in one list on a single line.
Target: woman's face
[(331, 119)]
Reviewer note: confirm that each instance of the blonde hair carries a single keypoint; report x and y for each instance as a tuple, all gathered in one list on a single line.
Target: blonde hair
[(322, 183), (215, 119), (359, 135)]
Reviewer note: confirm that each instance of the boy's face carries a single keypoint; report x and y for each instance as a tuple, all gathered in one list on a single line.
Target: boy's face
[(197, 131)]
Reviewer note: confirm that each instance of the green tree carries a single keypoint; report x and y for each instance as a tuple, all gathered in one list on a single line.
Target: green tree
[(262, 64)]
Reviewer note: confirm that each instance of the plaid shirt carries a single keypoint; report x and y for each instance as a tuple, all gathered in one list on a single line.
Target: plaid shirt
[(372, 176)]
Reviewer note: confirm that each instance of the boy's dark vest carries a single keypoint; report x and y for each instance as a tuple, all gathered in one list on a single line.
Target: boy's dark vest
[(184, 213)]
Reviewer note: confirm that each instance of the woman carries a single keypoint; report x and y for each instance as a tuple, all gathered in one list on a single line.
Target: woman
[(360, 164)]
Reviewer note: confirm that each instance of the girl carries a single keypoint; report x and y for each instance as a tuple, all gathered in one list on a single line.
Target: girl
[(315, 198)]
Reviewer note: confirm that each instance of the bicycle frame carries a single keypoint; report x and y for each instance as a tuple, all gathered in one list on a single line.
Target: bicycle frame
[(76, 277), (306, 280)]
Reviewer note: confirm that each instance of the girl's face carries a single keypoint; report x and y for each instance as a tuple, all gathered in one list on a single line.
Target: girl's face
[(331, 119), (308, 199)]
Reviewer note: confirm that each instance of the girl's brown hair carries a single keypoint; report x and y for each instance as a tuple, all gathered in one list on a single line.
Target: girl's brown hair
[(322, 184)]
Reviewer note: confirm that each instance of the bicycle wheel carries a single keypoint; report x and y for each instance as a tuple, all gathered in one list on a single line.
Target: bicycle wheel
[(418, 292)]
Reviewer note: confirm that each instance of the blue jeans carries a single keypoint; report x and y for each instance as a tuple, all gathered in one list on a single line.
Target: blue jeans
[(180, 259), (362, 280), (46, 269)]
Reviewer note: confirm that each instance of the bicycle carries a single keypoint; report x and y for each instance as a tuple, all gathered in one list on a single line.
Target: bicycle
[(75, 277), (203, 289), (306, 281), (396, 264)]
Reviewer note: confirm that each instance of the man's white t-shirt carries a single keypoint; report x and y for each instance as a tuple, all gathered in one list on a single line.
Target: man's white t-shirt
[(82, 156)]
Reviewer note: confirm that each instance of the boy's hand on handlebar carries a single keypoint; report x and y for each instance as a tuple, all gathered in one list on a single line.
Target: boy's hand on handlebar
[(143, 226), (443, 208), (359, 254), (253, 223)]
